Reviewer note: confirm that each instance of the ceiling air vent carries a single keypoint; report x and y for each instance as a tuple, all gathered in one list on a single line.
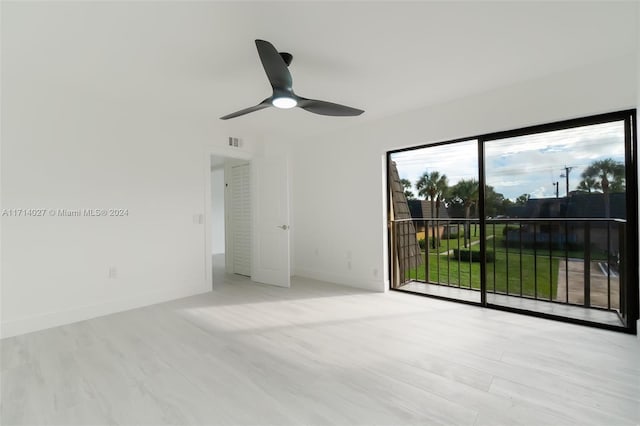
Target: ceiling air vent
[(235, 142)]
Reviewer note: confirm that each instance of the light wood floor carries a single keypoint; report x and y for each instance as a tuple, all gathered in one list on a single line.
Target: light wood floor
[(319, 354)]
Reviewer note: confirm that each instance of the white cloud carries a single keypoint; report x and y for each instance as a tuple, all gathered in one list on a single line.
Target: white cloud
[(457, 161), (540, 192), (526, 164), (508, 183)]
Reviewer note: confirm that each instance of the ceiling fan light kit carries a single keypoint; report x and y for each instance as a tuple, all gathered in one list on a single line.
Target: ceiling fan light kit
[(276, 67), (284, 102)]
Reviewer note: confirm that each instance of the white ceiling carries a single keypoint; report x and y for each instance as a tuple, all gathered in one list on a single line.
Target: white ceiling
[(384, 57)]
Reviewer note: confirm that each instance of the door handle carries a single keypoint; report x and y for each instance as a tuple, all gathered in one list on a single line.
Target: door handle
[(283, 227)]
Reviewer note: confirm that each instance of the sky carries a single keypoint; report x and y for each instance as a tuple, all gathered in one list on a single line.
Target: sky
[(528, 164)]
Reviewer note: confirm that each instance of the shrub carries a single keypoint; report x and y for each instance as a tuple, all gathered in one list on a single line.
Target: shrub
[(463, 255), (422, 242)]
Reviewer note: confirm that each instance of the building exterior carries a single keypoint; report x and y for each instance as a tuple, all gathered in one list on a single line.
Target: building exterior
[(575, 232)]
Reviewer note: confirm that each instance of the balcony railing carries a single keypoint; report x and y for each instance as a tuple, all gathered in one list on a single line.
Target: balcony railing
[(572, 262)]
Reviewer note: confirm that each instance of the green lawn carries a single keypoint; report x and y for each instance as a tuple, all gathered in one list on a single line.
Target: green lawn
[(527, 274), (530, 278), (455, 242)]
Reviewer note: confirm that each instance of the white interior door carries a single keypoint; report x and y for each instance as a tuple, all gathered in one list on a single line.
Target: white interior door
[(241, 219), (271, 264)]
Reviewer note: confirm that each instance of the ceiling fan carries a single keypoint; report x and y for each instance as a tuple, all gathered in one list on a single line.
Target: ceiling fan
[(276, 66)]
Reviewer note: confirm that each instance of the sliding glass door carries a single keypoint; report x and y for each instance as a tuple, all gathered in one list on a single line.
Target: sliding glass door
[(559, 247), (440, 188), (540, 220)]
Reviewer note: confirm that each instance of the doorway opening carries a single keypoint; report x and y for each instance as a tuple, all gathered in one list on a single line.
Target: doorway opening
[(230, 219)]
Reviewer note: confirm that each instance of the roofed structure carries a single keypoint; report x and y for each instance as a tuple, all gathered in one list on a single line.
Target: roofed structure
[(406, 253), (591, 205), (421, 209)]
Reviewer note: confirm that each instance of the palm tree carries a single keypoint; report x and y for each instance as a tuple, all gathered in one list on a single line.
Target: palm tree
[(588, 184), (406, 184), (432, 186), (611, 175), (466, 192), (442, 187)]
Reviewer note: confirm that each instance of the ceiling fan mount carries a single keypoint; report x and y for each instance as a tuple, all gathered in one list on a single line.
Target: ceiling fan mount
[(276, 65), (286, 57)]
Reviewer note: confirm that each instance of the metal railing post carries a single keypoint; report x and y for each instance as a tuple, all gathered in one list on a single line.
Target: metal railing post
[(394, 256), (587, 264), (622, 276), (427, 274)]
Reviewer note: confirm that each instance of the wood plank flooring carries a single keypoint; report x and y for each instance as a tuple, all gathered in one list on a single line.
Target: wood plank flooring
[(319, 354)]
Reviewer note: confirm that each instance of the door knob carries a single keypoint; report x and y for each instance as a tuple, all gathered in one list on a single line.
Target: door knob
[(283, 227)]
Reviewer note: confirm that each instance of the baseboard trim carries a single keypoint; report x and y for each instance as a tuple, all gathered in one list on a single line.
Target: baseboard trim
[(347, 281), (55, 319)]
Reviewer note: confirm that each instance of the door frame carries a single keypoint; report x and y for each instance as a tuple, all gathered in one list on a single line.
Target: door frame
[(241, 156)]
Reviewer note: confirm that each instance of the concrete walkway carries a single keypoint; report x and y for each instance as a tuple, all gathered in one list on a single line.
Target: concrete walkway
[(449, 252), (576, 284)]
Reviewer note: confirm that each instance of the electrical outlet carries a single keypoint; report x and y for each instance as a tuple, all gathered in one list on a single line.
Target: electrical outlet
[(375, 272), (349, 265)]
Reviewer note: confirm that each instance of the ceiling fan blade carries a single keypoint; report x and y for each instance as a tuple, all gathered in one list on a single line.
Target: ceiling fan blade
[(275, 67), (261, 105), (328, 108)]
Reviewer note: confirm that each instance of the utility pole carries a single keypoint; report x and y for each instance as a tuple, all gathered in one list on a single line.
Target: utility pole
[(567, 170), (556, 184)]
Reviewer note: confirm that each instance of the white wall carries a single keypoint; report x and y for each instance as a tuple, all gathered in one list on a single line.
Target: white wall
[(150, 162), (217, 211), (55, 269), (339, 195), (66, 146)]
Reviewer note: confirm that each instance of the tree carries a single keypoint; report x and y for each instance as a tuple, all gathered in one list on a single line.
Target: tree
[(494, 202), (588, 184), (432, 186), (611, 176), (506, 205), (406, 184), (522, 199), (465, 192), (442, 186), (443, 189)]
